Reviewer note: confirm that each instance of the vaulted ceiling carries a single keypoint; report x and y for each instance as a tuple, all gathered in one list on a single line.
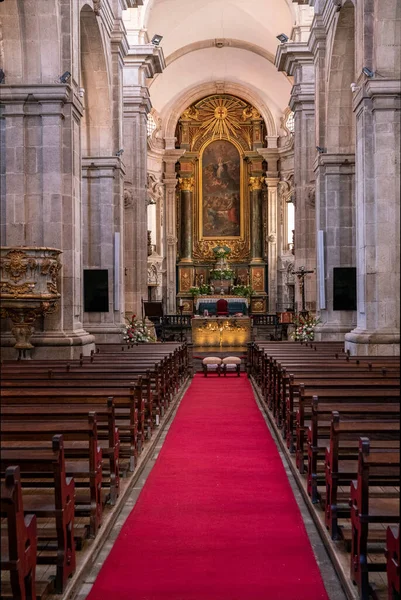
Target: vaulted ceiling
[(230, 42)]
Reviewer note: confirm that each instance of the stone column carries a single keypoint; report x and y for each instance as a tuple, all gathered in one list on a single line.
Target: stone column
[(255, 187), (170, 183), (296, 60), (41, 173), (377, 106), (335, 210), (271, 234), (141, 62), (186, 218), (101, 208)]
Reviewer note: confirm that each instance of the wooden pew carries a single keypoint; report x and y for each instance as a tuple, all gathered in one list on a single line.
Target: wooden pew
[(344, 388), (48, 465), (341, 461), (108, 434), (129, 410), (18, 552), (392, 554), (82, 453), (365, 510)]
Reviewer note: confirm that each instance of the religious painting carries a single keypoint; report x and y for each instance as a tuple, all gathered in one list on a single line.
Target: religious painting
[(220, 208)]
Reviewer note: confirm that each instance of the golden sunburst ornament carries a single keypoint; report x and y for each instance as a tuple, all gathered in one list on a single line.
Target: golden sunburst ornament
[(221, 117)]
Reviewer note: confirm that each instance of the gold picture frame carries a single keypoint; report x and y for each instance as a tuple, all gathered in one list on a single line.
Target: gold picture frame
[(200, 190)]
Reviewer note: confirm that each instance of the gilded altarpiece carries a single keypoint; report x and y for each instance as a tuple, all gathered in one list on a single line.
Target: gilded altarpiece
[(218, 134)]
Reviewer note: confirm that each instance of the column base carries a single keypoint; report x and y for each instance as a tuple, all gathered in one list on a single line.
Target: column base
[(52, 345), (331, 333), (372, 343), (104, 334)]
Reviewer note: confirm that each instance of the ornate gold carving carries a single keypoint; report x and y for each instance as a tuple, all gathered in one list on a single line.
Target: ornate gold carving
[(220, 117), (190, 114), (255, 183), (185, 280), (16, 291), (258, 276), (250, 112), (258, 306), (16, 264), (203, 249), (186, 184)]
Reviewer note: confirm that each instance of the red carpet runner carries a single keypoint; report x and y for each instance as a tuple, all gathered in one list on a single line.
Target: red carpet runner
[(217, 519)]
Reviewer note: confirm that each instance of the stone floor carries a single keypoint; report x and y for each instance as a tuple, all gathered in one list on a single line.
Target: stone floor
[(330, 578)]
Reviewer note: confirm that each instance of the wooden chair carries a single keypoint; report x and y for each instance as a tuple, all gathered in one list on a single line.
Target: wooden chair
[(222, 308)]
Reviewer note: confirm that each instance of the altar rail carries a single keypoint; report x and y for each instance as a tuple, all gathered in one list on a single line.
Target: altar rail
[(265, 320)]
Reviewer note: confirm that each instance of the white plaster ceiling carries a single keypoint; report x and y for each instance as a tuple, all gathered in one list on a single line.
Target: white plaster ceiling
[(183, 22), (190, 28)]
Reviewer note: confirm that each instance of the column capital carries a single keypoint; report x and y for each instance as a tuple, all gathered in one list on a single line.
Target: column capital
[(255, 183), (290, 56), (147, 57), (186, 184), (272, 182)]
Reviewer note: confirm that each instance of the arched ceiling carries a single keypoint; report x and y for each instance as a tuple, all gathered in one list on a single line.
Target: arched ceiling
[(247, 31), (183, 22)]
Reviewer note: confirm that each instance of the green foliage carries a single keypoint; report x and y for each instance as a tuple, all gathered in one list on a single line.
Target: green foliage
[(242, 290)]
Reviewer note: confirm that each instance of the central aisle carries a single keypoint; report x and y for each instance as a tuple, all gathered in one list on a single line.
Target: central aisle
[(217, 519)]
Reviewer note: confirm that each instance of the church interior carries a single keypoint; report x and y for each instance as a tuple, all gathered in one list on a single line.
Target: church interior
[(200, 299)]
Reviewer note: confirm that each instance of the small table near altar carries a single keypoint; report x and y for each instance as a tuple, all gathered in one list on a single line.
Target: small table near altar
[(221, 331), (236, 304)]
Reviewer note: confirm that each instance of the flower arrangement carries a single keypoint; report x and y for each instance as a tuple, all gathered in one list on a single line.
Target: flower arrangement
[(221, 274), (304, 328), (137, 331), (221, 251), (242, 290)]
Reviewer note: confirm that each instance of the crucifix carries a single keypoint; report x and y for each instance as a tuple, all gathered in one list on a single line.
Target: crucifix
[(301, 277)]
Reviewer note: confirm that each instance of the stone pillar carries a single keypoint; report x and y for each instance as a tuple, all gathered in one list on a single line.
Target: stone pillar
[(255, 187), (271, 235), (141, 62), (41, 173), (335, 210), (377, 106), (296, 60), (102, 184), (170, 183), (186, 218)]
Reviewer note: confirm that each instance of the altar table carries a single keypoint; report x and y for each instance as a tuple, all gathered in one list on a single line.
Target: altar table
[(221, 331), (236, 304)]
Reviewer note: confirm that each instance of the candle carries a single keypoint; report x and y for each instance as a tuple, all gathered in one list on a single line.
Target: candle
[(180, 301)]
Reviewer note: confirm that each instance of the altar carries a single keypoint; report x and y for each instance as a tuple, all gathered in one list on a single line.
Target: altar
[(236, 304), (221, 331)]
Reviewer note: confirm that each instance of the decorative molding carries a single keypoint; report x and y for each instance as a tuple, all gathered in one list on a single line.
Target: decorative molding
[(203, 249), (155, 189), (128, 197), (97, 7), (311, 195)]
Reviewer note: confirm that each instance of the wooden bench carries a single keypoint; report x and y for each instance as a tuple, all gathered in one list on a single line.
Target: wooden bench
[(46, 467), (326, 433), (18, 547), (341, 461), (80, 447), (108, 434), (392, 554), (383, 466), (346, 388)]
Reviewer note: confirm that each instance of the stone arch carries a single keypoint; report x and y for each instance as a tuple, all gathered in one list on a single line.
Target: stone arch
[(95, 81), (201, 44), (193, 94), (340, 136), (30, 42)]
